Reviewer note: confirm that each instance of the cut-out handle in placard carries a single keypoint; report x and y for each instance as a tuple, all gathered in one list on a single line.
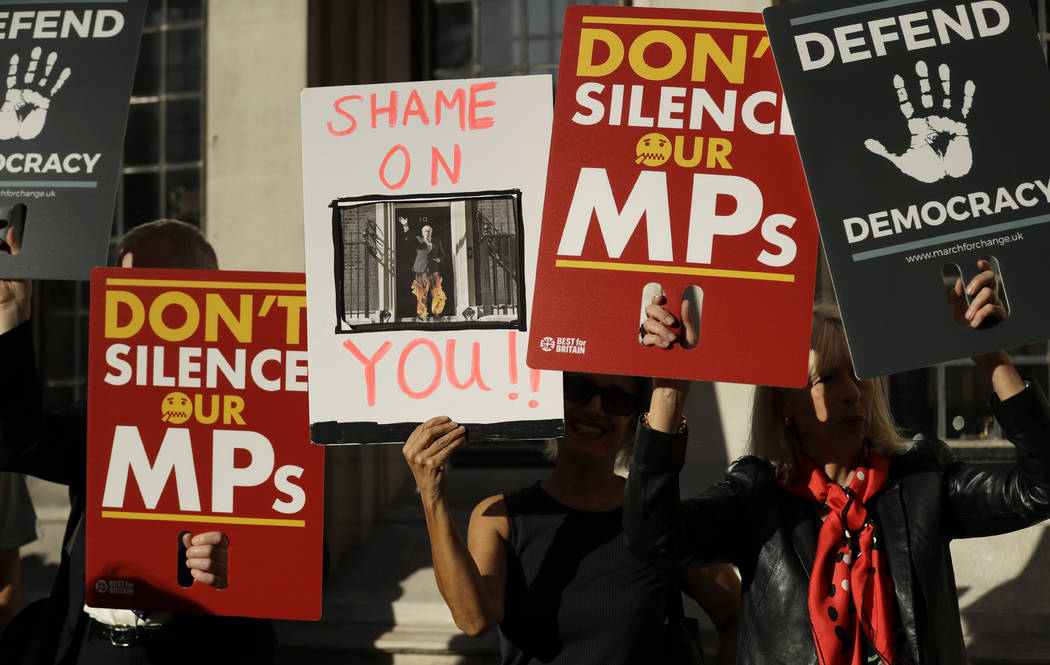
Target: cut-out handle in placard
[(185, 577), (955, 282), (691, 306)]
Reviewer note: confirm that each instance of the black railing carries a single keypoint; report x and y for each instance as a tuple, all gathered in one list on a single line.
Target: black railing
[(495, 262), (363, 252)]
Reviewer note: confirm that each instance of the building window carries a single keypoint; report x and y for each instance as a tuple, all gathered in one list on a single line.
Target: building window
[(429, 262), (496, 226), (163, 153), (951, 401), (162, 176), (472, 38)]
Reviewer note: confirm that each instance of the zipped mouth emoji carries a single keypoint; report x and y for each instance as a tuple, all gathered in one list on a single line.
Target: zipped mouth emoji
[(653, 149), (176, 408)]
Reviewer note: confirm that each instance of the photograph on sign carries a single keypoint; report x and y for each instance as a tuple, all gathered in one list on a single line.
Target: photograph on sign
[(436, 272), (922, 129), (197, 424), (422, 211), (673, 174), (69, 69)]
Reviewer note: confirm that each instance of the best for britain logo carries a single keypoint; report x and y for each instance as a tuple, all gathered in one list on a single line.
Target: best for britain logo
[(573, 345)]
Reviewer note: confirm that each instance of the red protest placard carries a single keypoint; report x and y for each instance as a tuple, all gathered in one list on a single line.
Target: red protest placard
[(197, 421), (673, 167)]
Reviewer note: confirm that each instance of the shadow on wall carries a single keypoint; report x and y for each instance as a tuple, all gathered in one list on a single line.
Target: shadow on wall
[(37, 578), (706, 458), (381, 603), (1010, 621), (705, 463)]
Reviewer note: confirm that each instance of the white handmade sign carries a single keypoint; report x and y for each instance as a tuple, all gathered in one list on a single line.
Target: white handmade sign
[(422, 213)]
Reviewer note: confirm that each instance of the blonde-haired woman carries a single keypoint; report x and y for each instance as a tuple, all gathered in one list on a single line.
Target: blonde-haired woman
[(774, 439), (839, 529)]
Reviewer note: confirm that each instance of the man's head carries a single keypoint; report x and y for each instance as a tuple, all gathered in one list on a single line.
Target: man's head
[(165, 243), (427, 232)]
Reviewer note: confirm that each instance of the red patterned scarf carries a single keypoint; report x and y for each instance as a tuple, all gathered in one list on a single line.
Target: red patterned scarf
[(850, 589)]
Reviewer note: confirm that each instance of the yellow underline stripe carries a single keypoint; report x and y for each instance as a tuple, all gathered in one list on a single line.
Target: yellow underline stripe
[(674, 23), (197, 284), (675, 270), (180, 517)]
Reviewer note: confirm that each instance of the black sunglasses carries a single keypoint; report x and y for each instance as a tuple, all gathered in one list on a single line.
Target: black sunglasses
[(616, 401)]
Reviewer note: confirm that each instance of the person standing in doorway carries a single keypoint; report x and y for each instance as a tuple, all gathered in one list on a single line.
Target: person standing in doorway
[(427, 266)]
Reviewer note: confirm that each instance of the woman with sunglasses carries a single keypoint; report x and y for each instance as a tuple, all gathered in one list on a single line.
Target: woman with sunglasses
[(839, 530), (548, 564)]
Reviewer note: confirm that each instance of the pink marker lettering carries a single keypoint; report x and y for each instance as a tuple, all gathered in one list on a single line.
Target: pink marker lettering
[(390, 111), (403, 383), (475, 366), (484, 122), (338, 107), (407, 169), (370, 366), (414, 106), (512, 360), (437, 158), (534, 381)]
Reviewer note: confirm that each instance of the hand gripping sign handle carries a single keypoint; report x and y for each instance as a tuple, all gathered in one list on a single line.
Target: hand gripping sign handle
[(691, 309)]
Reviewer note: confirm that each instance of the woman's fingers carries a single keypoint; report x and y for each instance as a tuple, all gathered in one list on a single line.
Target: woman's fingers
[(691, 335), (984, 279), (431, 438), (656, 312), (985, 306), (443, 447), (657, 334), (424, 433), (657, 329)]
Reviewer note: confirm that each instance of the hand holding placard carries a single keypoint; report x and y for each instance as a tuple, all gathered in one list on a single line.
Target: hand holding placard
[(985, 306), (427, 450), (207, 555), (710, 208), (662, 328), (15, 294)]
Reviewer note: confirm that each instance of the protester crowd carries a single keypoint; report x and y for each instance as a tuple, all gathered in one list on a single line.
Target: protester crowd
[(829, 539), (827, 543)]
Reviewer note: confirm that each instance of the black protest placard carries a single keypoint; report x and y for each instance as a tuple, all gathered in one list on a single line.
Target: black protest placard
[(923, 129), (66, 70)]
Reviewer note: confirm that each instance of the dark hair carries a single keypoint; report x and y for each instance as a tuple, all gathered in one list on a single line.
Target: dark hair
[(643, 388), (167, 243)]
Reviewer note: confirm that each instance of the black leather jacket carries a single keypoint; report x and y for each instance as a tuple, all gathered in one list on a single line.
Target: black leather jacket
[(930, 498)]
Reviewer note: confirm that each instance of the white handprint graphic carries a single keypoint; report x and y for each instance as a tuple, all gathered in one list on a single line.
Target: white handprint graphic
[(940, 145), (25, 108)]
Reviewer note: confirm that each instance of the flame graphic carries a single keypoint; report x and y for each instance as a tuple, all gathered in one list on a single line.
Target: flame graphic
[(438, 295), (420, 287), (426, 289)]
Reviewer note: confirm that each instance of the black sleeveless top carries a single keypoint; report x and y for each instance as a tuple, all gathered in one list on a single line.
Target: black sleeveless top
[(575, 594)]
